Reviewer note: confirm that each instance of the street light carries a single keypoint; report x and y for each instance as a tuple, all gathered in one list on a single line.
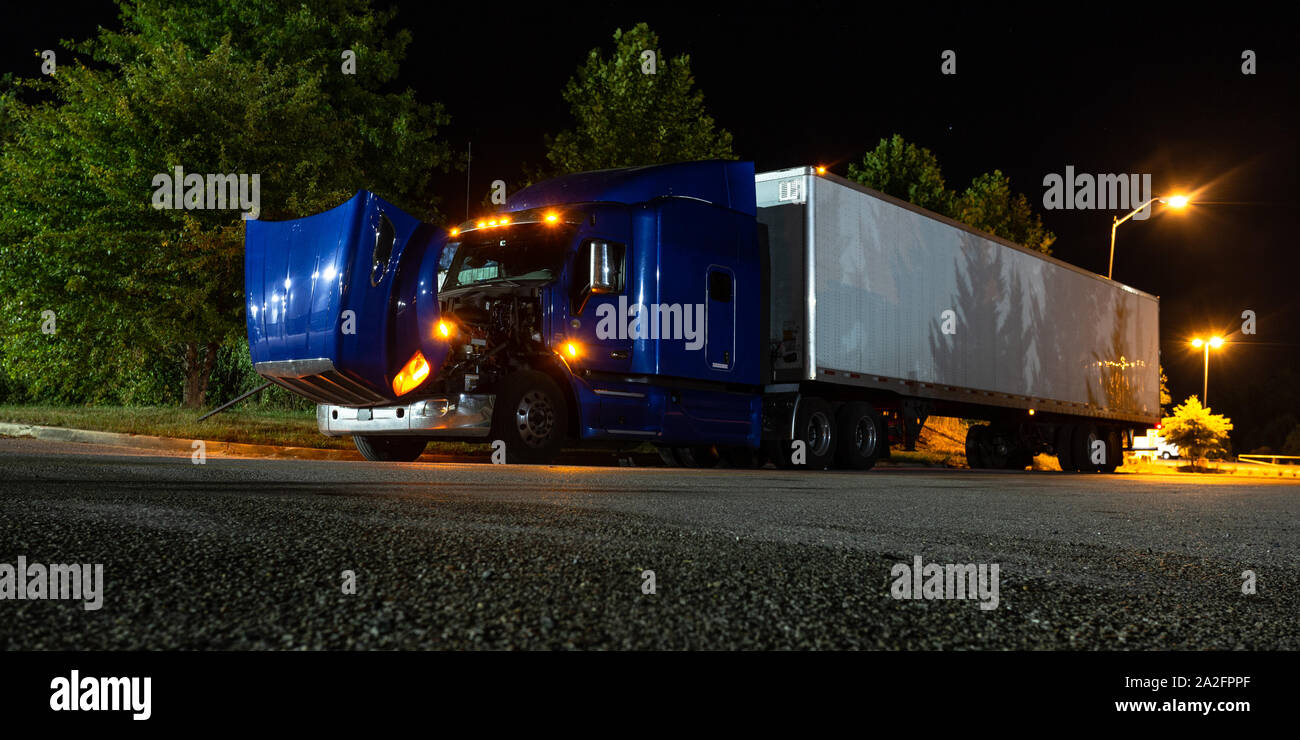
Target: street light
[(1212, 342), (1175, 201)]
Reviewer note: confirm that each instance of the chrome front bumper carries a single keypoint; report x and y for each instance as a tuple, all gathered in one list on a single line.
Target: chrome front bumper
[(465, 415)]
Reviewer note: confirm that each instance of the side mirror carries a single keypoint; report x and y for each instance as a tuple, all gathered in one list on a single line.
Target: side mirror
[(604, 263)]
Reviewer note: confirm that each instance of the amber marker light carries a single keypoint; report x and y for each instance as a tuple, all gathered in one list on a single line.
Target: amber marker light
[(446, 329), (552, 217), (821, 170), (455, 231), (411, 375), (572, 349)]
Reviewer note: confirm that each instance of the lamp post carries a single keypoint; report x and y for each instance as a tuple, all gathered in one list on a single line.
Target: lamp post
[(1215, 342), (1177, 201)]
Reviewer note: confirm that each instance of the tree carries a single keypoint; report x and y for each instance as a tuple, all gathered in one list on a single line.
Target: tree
[(1196, 431), (626, 115), (1165, 397), (911, 173), (216, 88), (1292, 444), (904, 171), (989, 205)]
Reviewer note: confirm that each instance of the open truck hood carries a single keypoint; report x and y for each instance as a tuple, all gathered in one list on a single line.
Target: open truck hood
[(337, 301)]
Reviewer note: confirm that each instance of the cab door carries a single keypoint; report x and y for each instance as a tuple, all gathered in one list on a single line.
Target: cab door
[(720, 319)]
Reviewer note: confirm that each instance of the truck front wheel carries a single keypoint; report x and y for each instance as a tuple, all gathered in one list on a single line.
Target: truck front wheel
[(530, 417), (389, 449)]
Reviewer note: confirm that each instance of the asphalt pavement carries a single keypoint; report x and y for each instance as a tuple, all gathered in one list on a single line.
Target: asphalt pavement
[(241, 553)]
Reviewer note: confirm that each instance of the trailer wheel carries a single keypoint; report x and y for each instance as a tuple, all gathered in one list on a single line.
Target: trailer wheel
[(859, 443), (994, 451), (814, 425), (1114, 451), (1084, 436), (974, 443), (389, 449), (530, 417), (1064, 446), (698, 456)]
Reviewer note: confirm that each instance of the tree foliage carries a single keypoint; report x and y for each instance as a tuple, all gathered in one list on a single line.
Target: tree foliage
[(253, 87), (624, 116), (904, 170), (1197, 431)]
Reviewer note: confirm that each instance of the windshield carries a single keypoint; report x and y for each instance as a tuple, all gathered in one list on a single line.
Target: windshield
[(505, 255)]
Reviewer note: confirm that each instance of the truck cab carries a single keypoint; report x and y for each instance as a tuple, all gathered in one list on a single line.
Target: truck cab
[(614, 306)]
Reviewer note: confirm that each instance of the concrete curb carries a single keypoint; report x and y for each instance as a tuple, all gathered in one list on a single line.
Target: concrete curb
[(240, 449), (171, 444)]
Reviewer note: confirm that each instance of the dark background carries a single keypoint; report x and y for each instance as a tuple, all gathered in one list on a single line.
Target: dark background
[(1102, 88)]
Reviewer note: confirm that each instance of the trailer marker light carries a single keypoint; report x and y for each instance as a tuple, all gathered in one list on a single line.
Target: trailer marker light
[(821, 170), (411, 375)]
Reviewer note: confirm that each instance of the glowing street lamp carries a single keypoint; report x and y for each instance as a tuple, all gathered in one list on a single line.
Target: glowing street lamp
[(1174, 201), (1215, 343)]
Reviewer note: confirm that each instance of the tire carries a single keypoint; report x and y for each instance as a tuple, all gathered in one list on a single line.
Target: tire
[(974, 447), (1114, 451), (1064, 446), (1084, 436), (744, 458), (994, 451), (859, 442), (1166, 456), (814, 425), (699, 456), (530, 417), (669, 456), (389, 449)]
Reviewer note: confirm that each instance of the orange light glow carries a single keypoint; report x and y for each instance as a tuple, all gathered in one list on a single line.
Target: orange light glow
[(455, 231), (1197, 342), (572, 349), (446, 329), (505, 220), (1178, 201), (1216, 342), (821, 170), (481, 224), (412, 374), (552, 218)]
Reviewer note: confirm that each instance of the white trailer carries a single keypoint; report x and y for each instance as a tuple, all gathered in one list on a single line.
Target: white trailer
[(873, 299)]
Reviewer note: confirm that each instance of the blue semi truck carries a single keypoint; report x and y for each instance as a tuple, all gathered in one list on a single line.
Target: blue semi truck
[(790, 316)]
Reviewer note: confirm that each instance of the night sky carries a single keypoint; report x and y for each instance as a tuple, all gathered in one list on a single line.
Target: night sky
[(1158, 92)]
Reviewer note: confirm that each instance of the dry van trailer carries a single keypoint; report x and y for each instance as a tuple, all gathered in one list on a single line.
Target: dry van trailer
[(874, 300)]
